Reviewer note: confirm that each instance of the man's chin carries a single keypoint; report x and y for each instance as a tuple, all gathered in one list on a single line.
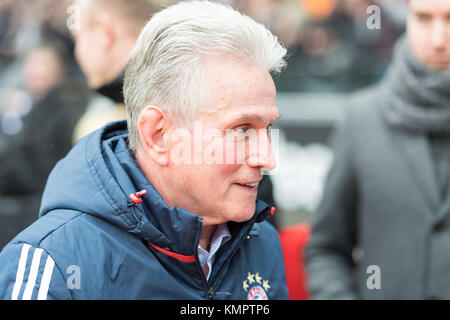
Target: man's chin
[(440, 65), (242, 213)]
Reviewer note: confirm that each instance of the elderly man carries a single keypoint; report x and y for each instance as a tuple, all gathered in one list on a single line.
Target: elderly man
[(167, 208), (104, 38), (382, 230)]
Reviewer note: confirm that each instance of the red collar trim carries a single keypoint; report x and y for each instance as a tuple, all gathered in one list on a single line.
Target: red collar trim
[(177, 256)]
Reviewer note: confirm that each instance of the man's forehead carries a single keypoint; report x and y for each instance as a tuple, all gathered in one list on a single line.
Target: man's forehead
[(430, 6), (81, 4)]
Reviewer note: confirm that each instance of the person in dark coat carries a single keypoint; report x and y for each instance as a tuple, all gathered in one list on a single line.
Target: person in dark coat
[(45, 137), (382, 229)]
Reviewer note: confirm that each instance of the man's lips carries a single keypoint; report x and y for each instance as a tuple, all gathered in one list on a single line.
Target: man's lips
[(440, 61), (250, 185), (249, 181)]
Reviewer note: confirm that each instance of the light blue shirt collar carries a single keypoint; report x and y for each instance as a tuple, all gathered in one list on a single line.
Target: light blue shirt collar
[(220, 236)]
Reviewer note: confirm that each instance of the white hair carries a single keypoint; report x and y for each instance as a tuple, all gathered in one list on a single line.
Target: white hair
[(166, 65)]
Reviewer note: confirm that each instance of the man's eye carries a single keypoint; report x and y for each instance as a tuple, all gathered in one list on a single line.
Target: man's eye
[(423, 17), (239, 133), (240, 130)]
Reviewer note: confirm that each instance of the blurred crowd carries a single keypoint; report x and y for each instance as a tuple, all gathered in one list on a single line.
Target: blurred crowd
[(330, 47), (42, 96), (43, 93)]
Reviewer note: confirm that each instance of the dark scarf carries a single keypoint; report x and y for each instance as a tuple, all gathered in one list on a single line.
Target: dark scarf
[(416, 97)]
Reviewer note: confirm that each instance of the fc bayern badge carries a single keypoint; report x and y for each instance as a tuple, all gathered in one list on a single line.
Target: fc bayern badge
[(256, 287), (257, 293)]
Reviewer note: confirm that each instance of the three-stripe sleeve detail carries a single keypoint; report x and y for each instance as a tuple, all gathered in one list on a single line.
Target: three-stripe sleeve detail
[(29, 269), (20, 271), (46, 277)]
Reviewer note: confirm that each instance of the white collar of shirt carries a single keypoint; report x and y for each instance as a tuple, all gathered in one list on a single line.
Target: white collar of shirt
[(220, 235)]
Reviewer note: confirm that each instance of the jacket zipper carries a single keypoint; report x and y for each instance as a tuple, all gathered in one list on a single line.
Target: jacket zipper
[(197, 259), (211, 291)]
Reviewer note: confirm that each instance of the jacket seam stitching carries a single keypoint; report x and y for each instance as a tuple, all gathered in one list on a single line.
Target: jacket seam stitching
[(105, 195), (79, 213)]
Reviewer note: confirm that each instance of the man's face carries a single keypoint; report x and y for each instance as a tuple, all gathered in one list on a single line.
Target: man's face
[(88, 45), (429, 32), (220, 182), (42, 71)]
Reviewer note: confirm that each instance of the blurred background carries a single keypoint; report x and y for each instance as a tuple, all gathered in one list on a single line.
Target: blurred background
[(332, 52)]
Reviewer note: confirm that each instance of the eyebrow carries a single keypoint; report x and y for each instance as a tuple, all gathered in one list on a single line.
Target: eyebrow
[(422, 12), (255, 117)]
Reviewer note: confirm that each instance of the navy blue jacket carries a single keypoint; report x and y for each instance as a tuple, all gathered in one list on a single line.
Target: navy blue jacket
[(92, 242)]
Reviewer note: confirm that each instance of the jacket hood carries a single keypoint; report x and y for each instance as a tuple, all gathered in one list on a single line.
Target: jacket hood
[(97, 178)]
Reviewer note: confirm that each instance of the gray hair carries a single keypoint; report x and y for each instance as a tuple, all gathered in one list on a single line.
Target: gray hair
[(165, 66)]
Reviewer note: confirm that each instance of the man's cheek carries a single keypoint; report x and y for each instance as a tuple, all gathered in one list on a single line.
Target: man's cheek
[(234, 152), (213, 151)]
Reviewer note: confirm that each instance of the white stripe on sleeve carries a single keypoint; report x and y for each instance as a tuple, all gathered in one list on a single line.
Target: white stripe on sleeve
[(20, 271), (33, 274), (46, 277)]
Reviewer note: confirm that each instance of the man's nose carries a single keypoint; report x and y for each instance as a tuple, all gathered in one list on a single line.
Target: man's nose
[(260, 152), (439, 34)]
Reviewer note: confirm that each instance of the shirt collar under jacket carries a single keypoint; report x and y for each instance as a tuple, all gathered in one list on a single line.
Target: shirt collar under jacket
[(220, 236)]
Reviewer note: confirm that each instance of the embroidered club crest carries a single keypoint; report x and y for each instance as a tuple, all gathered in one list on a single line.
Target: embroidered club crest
[(256, 287)]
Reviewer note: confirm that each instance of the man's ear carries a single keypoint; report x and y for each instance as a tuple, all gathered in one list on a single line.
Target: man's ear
[(107, 30), (152, 125)]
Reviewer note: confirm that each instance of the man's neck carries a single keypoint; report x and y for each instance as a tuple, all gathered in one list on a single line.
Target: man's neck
[(158, 181), (205, 237)]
